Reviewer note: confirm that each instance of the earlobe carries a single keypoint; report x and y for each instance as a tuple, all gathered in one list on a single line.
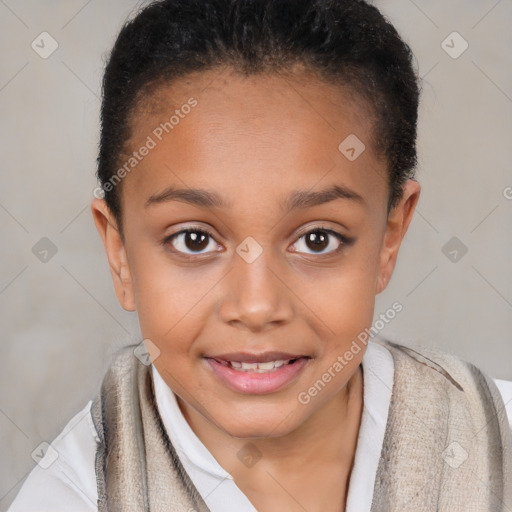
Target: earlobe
[(106, 225), (398, 222)]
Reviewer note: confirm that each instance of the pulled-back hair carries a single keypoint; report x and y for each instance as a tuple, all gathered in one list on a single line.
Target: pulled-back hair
[(346, 42)]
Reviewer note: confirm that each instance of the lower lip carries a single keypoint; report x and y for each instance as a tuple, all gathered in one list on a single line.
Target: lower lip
[(258, 383)]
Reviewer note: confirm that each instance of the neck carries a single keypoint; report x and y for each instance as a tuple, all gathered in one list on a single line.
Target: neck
[(325, 442)]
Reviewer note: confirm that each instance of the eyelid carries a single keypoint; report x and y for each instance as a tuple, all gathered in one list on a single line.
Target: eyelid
[(316, 227), (191, 228), (321, 227)]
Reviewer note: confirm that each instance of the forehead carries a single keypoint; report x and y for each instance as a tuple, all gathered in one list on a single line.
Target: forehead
[(224, 94), (273, 129)]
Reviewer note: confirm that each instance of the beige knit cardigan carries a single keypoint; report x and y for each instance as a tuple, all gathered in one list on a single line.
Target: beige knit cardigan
[(447, 445)]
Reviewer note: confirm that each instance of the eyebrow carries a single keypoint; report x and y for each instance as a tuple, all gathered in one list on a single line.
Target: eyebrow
[(194, 196), (299, 199), (307, 198)]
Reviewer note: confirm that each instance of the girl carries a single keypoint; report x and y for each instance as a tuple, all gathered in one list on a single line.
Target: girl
[(257, 161)]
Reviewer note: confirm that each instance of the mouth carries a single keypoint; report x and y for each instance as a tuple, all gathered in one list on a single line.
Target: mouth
[(258, 366), (257, 373)]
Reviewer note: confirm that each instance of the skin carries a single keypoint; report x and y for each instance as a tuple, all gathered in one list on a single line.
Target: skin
[(255, 140)]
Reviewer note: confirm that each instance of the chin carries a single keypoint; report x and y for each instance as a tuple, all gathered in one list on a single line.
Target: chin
[(262, 424)]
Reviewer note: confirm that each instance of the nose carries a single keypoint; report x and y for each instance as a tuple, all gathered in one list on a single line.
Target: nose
[(254, 296)]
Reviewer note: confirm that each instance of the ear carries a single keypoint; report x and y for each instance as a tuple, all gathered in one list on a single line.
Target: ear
[(116, 253), (398, 222)]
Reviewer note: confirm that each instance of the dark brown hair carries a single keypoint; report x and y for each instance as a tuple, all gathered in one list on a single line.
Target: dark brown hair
[(345, 41)]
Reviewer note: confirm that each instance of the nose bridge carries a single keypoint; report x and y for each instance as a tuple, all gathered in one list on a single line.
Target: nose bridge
[(254, 296)]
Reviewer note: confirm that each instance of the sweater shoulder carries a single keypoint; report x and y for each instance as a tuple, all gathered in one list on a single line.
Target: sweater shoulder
[(454, 370), (453, 380)]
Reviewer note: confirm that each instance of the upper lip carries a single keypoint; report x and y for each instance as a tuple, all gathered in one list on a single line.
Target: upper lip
[(262, 357)]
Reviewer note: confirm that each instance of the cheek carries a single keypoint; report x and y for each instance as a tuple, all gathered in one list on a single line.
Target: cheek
[(346, 309), (174, 301), (171, 300), (344, 296)]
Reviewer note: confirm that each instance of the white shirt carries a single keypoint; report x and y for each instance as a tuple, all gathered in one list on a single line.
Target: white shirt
[(69, 483)]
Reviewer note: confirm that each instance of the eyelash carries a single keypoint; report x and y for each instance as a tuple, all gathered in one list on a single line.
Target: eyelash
[(168, 240), (344, 241)]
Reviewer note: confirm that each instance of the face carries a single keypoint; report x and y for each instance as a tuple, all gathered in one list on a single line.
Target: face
[(253, 247)]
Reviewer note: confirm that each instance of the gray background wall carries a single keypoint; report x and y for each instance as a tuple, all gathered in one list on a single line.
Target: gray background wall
[(60, 320)]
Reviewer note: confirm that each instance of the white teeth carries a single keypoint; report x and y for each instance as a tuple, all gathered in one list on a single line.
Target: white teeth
[(258, 367), (266, 366)]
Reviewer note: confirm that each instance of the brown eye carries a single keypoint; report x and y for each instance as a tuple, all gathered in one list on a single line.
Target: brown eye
[(192, 241), (196, 241), (318, 240)]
